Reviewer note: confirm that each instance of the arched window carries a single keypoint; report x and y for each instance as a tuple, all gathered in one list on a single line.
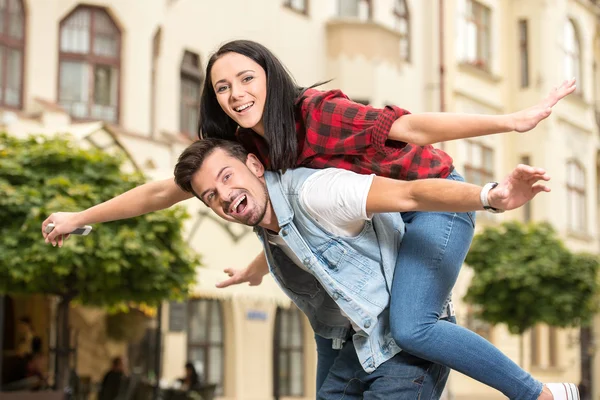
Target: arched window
[(205, 340), (576, 197), (572, 53), (90, 64), (191, 84), (402, 21), (288, 357), (12, 49)]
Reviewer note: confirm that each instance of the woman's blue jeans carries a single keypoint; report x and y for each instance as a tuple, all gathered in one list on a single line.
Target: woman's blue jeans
[(432, 252)]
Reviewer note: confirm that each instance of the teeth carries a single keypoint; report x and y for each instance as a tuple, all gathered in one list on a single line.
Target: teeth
[(237, 203), (243, 107)]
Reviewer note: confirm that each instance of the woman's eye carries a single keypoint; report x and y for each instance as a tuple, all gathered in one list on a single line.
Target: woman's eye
[(221, 89), (247, 79)]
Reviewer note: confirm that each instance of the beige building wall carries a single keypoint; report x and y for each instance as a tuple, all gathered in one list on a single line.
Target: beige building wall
[(362, 58)]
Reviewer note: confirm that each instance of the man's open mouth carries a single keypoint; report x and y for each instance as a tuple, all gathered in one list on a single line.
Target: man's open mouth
[(239, 205)]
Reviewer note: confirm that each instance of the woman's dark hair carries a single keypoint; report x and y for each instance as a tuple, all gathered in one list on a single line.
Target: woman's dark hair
[(278, 115), (194, 375)]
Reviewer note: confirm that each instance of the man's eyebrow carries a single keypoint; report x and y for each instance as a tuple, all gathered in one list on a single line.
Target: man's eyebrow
[(218, 176), (238, 74)]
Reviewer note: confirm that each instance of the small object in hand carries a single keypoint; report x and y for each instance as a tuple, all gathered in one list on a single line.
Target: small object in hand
[(83, 231)]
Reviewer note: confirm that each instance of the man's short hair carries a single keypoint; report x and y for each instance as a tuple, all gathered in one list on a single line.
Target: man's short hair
[(193, 157)]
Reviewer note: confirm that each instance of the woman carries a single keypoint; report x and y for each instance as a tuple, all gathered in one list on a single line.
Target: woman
[(249, 96), (191, 381)]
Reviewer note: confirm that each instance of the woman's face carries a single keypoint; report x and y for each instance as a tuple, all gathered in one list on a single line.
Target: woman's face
[(240, 85)]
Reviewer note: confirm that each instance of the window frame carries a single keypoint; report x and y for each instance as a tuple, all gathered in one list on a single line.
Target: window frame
[(574, 54), (483, 58), (523, 25), (6, 41), (193, 73), (92, 60), (208, 344), (404, 16), (580, 193), (369, 9), (292, 312)]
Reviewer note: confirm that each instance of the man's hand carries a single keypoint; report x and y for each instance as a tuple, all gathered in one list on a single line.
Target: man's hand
[(64, 223), (519, 187), (249, 274), (526, 120)]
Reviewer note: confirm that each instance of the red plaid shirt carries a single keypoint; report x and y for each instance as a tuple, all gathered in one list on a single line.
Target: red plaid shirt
[(334, 131)]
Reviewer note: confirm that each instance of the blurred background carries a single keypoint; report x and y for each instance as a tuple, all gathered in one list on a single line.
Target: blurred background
[(124, 76)]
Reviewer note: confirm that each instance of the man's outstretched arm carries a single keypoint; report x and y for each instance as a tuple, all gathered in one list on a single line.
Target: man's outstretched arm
[(149, 197), (519, 187)]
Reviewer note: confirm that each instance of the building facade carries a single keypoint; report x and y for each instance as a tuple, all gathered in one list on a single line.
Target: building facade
[(130, 72)]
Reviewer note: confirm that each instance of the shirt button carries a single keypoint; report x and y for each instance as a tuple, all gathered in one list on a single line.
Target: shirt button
[(306, 261), (284, 232), (335, 296), (367, 324)]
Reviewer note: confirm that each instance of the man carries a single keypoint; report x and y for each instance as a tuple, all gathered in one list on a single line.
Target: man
[(331, 239), (113, 381)]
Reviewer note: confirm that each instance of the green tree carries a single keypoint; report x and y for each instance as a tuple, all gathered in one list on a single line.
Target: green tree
[(524, 275), (142, 260)]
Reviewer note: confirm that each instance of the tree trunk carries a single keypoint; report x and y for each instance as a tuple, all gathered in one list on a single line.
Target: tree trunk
[(586, 344), (63, 344)]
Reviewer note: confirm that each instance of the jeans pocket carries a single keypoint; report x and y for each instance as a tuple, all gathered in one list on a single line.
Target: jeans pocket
[(471, 215)]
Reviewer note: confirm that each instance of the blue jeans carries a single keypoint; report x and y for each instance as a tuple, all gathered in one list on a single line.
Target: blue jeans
[(326, 356), (402, 377), (431, 254)]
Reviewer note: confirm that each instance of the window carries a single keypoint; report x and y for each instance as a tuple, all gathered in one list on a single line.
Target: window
[(298, 5), (361, 9), (156, 47), (288, 354), (479, 170), (572, 53), (205, 340), (402, 22), (523, 50), (576, 197), (474, 44), (12, 49), (89, 65), (191, 84)]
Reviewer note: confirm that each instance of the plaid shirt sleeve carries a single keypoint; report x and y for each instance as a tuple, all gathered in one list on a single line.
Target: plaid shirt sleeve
[(335, 125)]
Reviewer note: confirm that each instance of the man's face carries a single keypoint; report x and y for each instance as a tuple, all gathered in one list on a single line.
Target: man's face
[(231, 188)]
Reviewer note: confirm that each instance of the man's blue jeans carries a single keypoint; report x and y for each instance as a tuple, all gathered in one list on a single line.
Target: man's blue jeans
[(431, 254), (404, 377)]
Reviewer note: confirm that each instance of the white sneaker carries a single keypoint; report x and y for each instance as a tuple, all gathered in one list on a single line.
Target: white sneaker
[(564, 391)]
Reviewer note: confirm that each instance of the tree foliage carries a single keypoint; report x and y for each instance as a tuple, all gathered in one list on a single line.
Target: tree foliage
[(142, 259), (524, 275)]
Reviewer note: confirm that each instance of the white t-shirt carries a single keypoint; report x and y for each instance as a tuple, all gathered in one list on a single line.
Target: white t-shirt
[(337, 200)]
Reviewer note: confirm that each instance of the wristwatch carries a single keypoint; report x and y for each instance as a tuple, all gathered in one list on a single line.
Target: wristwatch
[(484, 198)]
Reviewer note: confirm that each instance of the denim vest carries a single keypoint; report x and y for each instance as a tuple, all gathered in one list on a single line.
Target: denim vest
[(353, 274)]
